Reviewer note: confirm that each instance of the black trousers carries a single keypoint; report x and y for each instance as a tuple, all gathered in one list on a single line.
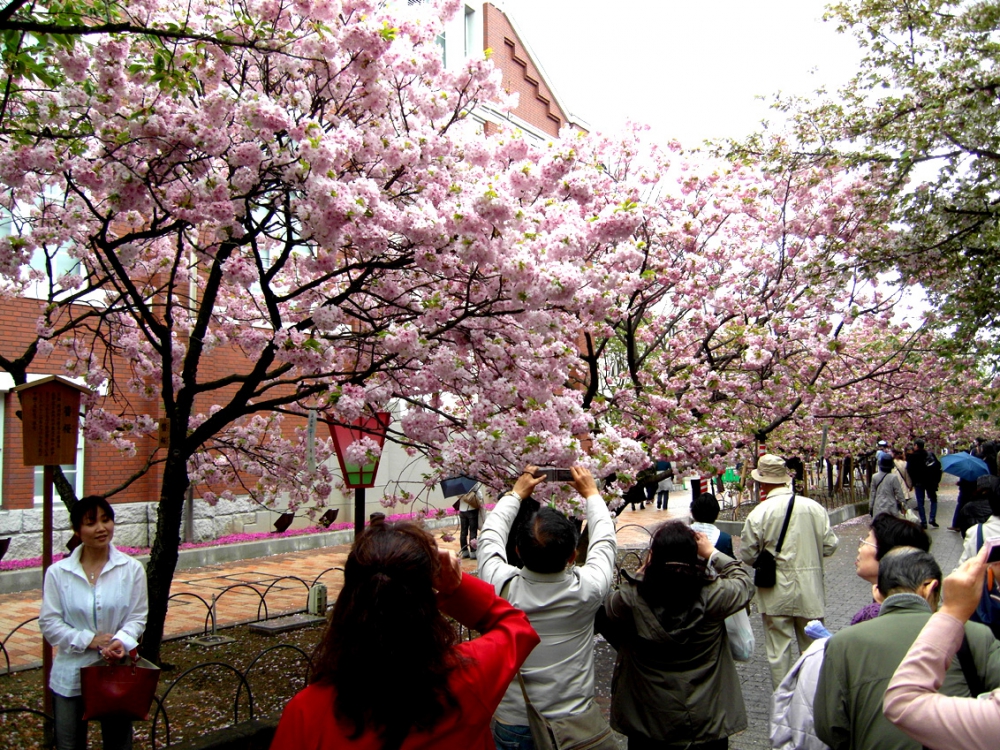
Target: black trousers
[(469, 527)]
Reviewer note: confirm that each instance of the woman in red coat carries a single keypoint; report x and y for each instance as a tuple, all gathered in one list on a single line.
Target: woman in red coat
[(390, 672)]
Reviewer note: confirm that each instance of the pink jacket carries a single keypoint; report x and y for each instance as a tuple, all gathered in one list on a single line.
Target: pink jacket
[(939, 722)]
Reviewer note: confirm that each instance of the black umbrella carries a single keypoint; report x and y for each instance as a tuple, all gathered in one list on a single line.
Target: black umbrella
[(457, 486)]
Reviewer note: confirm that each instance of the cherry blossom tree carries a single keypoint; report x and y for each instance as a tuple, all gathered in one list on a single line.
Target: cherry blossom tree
[(923, 107), (751, 313), (313, 222)]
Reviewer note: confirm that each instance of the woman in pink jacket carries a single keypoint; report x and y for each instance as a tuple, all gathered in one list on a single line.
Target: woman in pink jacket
[(390, 673), (912, 702)]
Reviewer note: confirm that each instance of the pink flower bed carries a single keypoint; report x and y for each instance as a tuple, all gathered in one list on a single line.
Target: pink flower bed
[(36, 562)]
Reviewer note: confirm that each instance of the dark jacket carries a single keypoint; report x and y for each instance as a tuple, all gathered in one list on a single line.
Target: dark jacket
[(675, 681), (916, 467)]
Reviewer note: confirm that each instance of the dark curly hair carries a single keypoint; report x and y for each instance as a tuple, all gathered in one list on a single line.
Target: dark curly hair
[(386, 629), (674, 575)]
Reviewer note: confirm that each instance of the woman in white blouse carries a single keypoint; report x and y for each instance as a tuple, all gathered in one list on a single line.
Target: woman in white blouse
[(94, 606)]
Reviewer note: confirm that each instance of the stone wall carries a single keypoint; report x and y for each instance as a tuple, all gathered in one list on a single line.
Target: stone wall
[(135, 525)]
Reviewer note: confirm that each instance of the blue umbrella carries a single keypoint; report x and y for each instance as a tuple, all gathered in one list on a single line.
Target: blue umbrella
[(964, 466), (457, 486)]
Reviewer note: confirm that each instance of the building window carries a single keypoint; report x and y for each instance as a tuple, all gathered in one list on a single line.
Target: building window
[(442, 43), (73, 472), (61, 261), (470, 31)]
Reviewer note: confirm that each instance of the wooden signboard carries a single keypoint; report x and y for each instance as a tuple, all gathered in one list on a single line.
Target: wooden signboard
[(50, 419)]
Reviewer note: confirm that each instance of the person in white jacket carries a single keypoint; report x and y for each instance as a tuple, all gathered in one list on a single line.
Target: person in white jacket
[(559, 597), (94, 606)]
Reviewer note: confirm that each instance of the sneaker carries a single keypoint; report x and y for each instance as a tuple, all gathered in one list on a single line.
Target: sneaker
[(955, 528), (923, 526), (464, 555), (935, 524)]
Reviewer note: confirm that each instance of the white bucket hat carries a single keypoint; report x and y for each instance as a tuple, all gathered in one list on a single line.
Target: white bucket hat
[(771, 470)]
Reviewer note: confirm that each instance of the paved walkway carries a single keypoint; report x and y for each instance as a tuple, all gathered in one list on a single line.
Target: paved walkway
[(241, 587)]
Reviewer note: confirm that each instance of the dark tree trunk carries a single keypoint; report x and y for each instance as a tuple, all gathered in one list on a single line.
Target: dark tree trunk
[(164, 553)]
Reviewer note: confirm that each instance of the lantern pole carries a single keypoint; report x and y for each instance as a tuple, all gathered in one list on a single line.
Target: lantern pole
[(359, 510)]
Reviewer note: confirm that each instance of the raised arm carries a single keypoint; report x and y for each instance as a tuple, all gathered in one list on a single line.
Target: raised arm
[(491, 552), (507, 636), (600, 566)]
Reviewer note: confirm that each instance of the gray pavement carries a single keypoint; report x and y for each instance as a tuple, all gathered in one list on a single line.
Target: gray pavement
[(845, 595)]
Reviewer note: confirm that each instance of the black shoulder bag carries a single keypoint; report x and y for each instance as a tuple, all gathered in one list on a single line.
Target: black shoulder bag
[(765, 567)]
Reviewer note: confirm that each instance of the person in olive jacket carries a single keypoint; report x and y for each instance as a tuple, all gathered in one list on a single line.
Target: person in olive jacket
[(675, 683)]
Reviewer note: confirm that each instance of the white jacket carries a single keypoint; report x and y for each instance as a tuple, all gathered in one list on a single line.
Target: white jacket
[(559, 673), (73, 612), (800, 588), (792, 725)]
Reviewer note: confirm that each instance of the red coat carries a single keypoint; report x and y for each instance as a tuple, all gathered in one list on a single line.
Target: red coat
[(486, 666)]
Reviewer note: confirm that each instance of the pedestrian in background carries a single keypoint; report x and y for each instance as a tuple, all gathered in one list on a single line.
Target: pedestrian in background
[(924, 470), (886, 493)]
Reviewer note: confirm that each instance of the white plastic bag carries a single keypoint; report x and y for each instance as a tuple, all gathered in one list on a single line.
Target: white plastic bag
[(741, 640)]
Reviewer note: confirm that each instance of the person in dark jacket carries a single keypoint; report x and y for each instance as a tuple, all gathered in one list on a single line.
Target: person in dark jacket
[(704, 513), (925, 473), (675, 684)]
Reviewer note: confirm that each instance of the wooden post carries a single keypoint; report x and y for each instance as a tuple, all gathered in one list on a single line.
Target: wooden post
[(46, 562)]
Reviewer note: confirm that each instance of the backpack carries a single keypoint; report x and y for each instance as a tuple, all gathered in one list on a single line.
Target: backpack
[(988, 611)]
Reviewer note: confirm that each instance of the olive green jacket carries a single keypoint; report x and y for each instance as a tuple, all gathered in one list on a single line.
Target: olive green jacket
[(675, 680), (861, 659)]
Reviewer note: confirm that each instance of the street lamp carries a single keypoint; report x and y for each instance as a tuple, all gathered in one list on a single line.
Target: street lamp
[(359, 476)]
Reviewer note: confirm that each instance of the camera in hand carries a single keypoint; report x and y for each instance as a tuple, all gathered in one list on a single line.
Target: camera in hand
[(556, 475)]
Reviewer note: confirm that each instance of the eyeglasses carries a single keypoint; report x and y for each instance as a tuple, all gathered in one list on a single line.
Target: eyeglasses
[(870, 544)]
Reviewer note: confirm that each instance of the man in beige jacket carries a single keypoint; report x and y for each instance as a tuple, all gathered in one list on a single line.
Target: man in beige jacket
[(798, 595)]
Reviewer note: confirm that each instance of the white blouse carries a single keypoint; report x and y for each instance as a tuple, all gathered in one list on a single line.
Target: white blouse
[(73, 612)]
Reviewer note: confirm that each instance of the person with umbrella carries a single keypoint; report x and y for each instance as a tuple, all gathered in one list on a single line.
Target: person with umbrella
[(968, 469)]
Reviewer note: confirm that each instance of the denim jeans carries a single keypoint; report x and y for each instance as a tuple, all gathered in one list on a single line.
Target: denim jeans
[(512, 737), (71, 729), (932, 496)]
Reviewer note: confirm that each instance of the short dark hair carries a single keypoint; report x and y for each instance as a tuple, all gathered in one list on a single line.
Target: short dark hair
[(705, 508), (988, 488), (891, 532), (87, 507), (546, 541), (904, 569), (919, 442)]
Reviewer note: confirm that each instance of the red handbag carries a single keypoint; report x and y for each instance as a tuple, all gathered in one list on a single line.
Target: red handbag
[(123, 690)]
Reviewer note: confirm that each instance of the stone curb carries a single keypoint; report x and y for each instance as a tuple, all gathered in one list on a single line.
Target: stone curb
[(13, 581), (837, 516)]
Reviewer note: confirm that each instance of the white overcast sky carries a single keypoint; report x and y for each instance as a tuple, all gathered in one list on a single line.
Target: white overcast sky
[(692, 70)]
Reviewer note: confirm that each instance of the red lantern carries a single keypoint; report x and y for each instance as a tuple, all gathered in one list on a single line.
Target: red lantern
[(356, 476), (374, 427)]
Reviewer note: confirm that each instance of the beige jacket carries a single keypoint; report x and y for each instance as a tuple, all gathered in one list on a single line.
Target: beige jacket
[(799, 591)]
